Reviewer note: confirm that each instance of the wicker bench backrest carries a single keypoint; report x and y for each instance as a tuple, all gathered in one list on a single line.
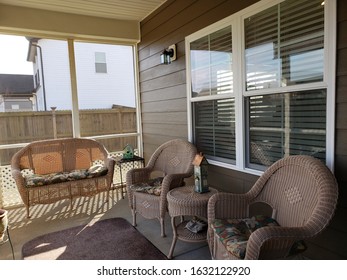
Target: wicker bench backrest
[(60, 155)]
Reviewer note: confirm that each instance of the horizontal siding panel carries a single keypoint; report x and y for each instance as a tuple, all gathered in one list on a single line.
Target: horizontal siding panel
[(180, 19), (164, 94), (341, 88), (341, 62), (173, 79), (168, 117), (165, 106), (154, 140), (171, 130), (341, 10), (341, 38), (341, 114), (341, 173), (165, 14), (220, 178), (341, 142)]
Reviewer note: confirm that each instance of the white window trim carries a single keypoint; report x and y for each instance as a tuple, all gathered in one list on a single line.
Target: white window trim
[(236, 21)]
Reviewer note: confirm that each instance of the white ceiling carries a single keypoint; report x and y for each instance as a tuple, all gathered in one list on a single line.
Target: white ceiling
[(115, 9)]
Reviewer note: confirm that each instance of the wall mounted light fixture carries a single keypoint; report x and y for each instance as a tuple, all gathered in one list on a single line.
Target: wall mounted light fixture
[(168, 55)]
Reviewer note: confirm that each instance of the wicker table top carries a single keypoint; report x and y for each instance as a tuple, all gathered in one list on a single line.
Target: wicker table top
[(185, 201)]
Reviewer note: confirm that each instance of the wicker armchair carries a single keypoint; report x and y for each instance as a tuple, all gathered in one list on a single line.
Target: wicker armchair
[(302, 193), (173, 162), (51, 170)]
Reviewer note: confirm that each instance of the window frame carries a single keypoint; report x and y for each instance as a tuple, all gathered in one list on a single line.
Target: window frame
[(236, 21)]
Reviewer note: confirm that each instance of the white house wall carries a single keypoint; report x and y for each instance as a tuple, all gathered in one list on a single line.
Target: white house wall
[(95, 90), (55, 76), (102, 90)]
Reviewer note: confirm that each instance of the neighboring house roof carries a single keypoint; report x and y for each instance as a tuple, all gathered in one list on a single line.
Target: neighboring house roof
[(16, 85)]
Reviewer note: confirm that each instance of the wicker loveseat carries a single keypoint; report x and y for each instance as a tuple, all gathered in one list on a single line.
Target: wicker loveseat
[(51, 170)]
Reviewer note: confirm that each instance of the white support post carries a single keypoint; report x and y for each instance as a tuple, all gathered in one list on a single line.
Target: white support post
[(75, 112)]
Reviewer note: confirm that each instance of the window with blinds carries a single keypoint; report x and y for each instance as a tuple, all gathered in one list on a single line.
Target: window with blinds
[(261, 84), (284, 45), (211, 64), (215, 129), (286, 124)]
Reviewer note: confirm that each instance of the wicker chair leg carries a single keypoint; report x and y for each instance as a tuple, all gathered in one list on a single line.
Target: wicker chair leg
[(107, 195), (134, 217), (162, 227), (27, 210)]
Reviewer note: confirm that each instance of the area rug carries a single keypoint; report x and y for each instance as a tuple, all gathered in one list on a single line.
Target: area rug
[(109, 239)]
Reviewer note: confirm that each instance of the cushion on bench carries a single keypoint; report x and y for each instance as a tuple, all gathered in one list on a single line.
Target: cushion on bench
[(35, 180), (234, 233)]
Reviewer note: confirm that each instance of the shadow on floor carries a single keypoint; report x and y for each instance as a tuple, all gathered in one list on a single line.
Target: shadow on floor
[(58, 216)]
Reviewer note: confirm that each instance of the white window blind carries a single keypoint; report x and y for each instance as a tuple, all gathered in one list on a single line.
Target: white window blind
[(284, 45), (215, 128), (286, 124), (211, 64)]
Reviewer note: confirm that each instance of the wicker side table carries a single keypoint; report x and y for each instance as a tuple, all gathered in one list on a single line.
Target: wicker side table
[(184, 201), (129, 163)]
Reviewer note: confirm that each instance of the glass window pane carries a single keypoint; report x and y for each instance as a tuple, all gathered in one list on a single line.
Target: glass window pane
[(261, 50), (215, 129), (302, 41), (286, 124), (100, 68), (100, 57), (211, 64), (284, 45)]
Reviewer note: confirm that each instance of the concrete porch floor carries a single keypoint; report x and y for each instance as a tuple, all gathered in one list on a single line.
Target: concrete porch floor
[(59, 216)]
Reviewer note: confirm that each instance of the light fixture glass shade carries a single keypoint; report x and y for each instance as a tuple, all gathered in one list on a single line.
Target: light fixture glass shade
[(165, 58), (168, 55)]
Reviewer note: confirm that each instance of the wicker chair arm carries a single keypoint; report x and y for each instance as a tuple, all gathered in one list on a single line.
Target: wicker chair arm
[(170, 182), (110, 163), (138, 175), (226, 205), (284, 237), (17, 175)]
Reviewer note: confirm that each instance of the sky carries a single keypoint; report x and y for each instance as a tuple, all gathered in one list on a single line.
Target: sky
[(13, 55)]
